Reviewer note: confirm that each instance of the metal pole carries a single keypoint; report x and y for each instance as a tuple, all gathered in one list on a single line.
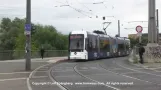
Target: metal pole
[(139, 39), (105, 31), (152, 38), (119, 28), (28, 37), (157, 17)]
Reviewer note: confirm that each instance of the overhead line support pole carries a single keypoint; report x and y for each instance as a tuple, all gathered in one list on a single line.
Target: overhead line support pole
[(28, 37)]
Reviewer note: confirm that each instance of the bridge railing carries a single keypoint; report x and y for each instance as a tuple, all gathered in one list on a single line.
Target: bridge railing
[(20, 54)]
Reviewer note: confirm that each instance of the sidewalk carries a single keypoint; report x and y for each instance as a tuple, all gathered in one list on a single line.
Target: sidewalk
[(55, 59), (135, 61), (49, 59), (145, 65), (150, 65)]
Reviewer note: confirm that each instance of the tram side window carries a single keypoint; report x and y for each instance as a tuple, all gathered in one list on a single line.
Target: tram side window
[(96, 48), (94, 43), (108, 48), (86, 44), (101, 44), (121, 47), (127, 46), (90, 43), (104, 45), (107, 45)]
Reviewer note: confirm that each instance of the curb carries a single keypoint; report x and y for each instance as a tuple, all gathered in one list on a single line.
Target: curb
[(58, 60), (34, 59), (142, 65)]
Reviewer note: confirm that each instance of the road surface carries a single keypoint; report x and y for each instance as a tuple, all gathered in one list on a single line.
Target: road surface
[(107, 74), (13, 75)]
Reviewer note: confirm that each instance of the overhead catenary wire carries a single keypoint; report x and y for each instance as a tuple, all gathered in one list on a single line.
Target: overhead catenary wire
[(105, 5), (78, 10), (86, 13), (83, 12), (91, 11), (133, 28), (83, 5)]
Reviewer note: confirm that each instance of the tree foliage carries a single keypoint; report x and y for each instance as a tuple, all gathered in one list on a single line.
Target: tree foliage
[(135, 42), (12, 36)]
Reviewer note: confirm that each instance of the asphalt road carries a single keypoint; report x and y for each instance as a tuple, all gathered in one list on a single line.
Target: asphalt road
[(107, 74), (13, 75)]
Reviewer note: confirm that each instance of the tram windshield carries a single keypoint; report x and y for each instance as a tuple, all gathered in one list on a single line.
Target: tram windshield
[(76, 42)]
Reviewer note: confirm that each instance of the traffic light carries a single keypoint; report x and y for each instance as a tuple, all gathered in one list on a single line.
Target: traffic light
[(33, 29), (103, 18)]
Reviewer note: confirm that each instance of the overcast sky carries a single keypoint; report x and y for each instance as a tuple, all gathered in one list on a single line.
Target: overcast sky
[(76, 17)]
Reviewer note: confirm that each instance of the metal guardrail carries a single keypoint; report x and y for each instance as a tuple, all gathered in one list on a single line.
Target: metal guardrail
[(20, 54)]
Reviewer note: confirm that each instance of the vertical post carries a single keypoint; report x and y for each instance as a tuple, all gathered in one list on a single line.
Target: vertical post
[(157, 17), (119, 28), (134, 53), (140, 39), (28, 37), (152, 37)]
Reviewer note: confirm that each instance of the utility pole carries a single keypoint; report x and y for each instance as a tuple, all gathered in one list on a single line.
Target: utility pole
[(152, 32), (119, 28), (157, 17), (28, 35)]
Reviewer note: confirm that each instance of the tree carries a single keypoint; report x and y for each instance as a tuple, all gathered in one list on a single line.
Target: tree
[(144, 40), (9, 34), (5, 25), (134, 42), (12, 36)]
